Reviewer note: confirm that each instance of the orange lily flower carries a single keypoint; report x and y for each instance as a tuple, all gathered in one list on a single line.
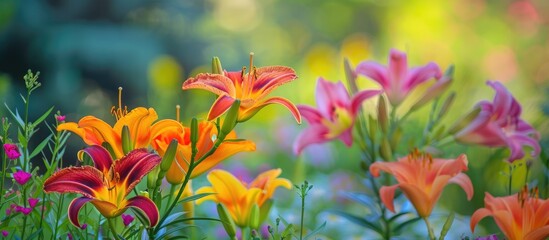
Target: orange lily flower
[(519, 216), (422, 179), (107, 184), (95, 131), (163, 133), (239, 197), (251, 88)]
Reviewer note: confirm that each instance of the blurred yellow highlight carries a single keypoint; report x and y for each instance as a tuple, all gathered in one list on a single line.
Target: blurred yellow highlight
[(165, 72)]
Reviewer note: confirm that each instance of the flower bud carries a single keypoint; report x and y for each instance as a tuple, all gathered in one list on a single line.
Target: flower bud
[(436, 89), (351, 76), (382, 115), (126, 140), (152, 177), (216, 66), (464, 121), (226, 220), (385, 150), (169, 155), (372, 127), (446, 105), (253, 220), (230, 119), (264, 210), (194, 133), (447, 225)]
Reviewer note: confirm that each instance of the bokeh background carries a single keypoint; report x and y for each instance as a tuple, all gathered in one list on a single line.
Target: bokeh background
[(86, 49)]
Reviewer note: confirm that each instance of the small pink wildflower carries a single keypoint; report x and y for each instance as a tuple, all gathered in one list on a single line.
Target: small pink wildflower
[(12, 151), (84, 226), (69, 236), (127, 219), (60, 118), (33, 202), (24, 210), (22, 177), (5, 233)]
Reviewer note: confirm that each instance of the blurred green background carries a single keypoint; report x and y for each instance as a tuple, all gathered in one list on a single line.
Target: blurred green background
[(86, 49)]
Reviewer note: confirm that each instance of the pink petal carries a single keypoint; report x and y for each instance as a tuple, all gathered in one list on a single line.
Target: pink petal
[(360, 97), (310, 114), (83, 180), (134, 166), (269, 78), (215, 83), (503, 100), (420, 75), (74, 209), (313, 134), (398, 67), (274, 100), (347, 137), (516, 143), (387, 195), (329, 95), (101, 158), (220, 106), (375, 71), (145, 206)]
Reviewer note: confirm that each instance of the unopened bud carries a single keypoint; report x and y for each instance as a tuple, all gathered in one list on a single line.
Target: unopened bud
[(169, 155), (231, 118), (436, 89), (253, 220), (464, 121), (226, 220), (194, 133), (447, 226), (372, 128), (152, 177), (382, 115), (216, 66), (446, 105), (351, 76), (127, 145), (385, 150)]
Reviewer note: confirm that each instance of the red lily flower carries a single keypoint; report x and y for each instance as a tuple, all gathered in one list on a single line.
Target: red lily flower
[(107, 184), (251, 88)]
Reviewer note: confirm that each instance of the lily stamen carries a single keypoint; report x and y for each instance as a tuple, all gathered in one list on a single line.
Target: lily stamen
[(119, 112)]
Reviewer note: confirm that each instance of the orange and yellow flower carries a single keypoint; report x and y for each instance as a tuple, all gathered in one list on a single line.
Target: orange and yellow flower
[(422, 179), (164, 133), (251, 88), (239, 197), (95, 131), (107, 184), (520, 216)]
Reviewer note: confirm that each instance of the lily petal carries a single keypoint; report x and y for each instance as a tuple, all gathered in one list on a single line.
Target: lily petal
[(224, 151), (94, 131), (74, 208), (271, 77), (330, 94), (228, 188), (108, 209), (387, 195), (477, 216), (138, 121), (310, 114), (419, 75), (375, 71), (145, 206), (220, 106), (101, 158), (465, 183), (313, 134), (134, 166), (215, 83), (360, 97), (418, 198), (274, 100), (540, 233), (84, 180)]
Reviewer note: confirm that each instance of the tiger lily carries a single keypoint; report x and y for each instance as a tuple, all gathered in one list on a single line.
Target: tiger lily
[(239, 197), (499, 124), (250, 88), (422, 179), (107, 184), (163, 133), (396, 79), (95, 131), (334, 117), (520, 216)]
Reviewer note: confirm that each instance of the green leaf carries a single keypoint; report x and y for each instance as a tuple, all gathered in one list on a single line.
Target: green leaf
[(16, 116), (194, 197), (42, 118), (173, 230), (359, 221), (316, 231), (406, 223), (234, 140), (40, 146), (394, 217)]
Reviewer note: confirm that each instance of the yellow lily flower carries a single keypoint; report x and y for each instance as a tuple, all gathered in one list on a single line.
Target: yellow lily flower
[(239, 197), (163, 133), (95, 131)]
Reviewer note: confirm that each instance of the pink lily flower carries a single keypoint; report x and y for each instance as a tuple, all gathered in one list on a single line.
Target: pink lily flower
[(498, 124), (334, 117), (396, 79)]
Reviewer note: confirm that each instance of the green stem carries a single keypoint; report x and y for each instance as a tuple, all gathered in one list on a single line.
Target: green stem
[(429, 228), (42, 210), (510, 178), (113, 229), (302, 213), (243, 233), (192, 165), (59, 209)]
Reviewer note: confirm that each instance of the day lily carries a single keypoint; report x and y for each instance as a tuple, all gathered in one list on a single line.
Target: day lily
[(334, 117), (107, 184), (239, 197), (422, 179), (250, 88), (164, 133), (12, 151), (95, 131), (498, 124), (520, 216), (396, 79), (21, 177)]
